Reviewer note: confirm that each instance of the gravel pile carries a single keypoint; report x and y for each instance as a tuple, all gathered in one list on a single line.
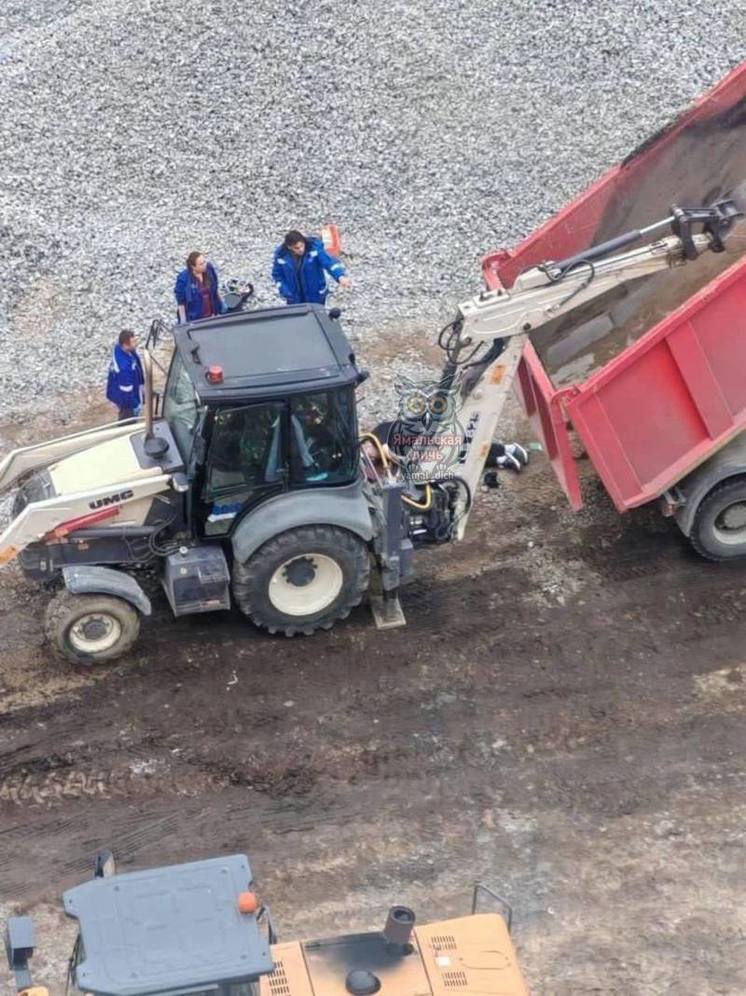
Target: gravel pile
[(133, 131)]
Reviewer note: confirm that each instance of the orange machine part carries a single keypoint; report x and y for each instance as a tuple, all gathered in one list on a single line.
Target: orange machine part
[(471, 954), (467, 956), (248, 902), (332, 239)]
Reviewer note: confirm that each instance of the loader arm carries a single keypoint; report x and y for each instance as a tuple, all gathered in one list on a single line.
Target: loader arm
[(56, 518), (22, 461), (538, 296)]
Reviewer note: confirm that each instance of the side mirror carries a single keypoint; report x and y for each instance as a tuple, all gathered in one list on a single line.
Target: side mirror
[(104, 865), (157, 329), (236, 293), (19, 946)]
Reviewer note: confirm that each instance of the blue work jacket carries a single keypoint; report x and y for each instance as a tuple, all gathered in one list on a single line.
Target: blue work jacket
[(305, 282), (124, 384), (187, 291)]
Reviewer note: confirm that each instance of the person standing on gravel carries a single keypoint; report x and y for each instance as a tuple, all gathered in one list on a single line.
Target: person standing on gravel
[(196, 290), (299, 269), (125, 381)]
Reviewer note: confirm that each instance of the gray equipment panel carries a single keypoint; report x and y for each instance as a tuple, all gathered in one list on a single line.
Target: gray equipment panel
[(197, 579), (346, 507), (167, 929), (88, 580)]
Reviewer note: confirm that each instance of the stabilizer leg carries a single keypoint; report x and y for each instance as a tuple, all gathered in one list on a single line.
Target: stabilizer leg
[(387, 610)]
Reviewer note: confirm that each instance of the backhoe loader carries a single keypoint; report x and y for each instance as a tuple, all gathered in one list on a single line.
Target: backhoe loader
[(249, 484)]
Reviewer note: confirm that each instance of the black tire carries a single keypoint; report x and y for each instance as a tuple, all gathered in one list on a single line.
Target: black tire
[(296, 550), (66, 610), (712, 536)]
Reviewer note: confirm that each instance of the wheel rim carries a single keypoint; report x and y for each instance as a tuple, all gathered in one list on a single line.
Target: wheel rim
[(303, 586), (730, 524), (95, 633)]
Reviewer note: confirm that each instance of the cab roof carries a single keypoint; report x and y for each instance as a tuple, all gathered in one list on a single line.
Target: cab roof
[(169, 929), (266, 353)]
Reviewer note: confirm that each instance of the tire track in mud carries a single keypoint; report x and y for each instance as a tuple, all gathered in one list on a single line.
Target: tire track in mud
[(57, 787)]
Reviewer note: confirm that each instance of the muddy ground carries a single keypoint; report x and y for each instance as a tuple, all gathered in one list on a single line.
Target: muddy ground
[(562, 718)]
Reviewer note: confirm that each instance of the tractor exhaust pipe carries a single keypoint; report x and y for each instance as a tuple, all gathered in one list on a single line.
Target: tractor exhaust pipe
[(147, 369), (155, 446), (397, 931)]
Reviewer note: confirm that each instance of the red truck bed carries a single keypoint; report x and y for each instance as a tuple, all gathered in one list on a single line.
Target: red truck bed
[(669, 384)]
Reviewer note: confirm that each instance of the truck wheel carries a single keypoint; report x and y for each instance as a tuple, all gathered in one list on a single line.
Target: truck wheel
[(719, 527), (303, 580), (91, 629)]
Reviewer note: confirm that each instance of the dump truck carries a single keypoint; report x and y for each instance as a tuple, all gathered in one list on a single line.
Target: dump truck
[(647, 382), (198, 929), (251, 486)]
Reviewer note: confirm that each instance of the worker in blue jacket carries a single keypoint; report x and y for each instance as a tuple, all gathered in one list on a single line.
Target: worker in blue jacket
[(196, 290), (124, 386), (300, 266)]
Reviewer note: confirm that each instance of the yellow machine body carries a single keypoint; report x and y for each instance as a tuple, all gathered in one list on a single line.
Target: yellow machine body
[(467, 956)]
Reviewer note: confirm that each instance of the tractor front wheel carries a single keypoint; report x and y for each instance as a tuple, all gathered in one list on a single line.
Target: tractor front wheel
[(303, 580), (91, 629)]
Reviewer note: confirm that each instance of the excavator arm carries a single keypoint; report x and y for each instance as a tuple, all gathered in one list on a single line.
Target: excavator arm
[(503, 319)]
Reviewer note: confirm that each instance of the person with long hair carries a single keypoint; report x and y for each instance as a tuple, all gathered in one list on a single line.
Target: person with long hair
[(196, 289)]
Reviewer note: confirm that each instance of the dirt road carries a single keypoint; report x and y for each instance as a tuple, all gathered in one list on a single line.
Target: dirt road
[(562, 718)]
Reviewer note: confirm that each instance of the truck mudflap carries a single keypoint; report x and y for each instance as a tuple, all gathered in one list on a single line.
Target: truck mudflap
[(88, 580), (543, 405)]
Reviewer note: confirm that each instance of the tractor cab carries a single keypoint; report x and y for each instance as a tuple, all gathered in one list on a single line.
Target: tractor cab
[(190, 929), (260, 403), (245, 490)]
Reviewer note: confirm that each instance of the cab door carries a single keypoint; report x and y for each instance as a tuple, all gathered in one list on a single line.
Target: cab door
[(246, 463)]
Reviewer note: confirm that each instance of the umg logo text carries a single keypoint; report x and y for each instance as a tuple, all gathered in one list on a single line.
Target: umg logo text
[(111, 499)]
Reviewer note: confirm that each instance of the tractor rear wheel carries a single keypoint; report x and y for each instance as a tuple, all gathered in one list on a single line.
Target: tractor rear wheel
[(303, 580), (91, 629)]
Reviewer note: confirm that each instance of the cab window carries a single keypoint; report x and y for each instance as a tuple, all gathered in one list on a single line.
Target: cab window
[(181, 407), (323, 438), (246, 461)]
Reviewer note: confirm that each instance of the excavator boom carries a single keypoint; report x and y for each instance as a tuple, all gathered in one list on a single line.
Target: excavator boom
[(503, 320)]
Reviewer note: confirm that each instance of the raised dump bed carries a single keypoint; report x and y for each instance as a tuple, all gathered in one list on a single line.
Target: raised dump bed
[(652, 377)]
